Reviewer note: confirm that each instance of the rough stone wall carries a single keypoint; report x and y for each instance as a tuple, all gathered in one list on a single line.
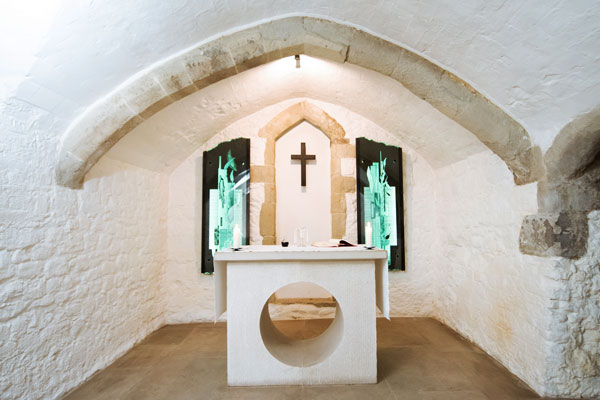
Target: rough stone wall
[(486, 289), (569, 190), (80, 270), (575, 321), (190, 295)]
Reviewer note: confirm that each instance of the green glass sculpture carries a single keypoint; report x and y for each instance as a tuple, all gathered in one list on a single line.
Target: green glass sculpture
[(225, 173), (380, 206), (225, 206)]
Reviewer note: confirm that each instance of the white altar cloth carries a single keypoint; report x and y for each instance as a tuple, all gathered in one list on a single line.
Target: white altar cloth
[(257, 354)]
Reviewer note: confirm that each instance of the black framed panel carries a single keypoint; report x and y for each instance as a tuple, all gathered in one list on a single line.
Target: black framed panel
[(225, 197), (379, 191)]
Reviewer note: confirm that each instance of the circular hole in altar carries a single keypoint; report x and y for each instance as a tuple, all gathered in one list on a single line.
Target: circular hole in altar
[(302, 310), (301, 331)]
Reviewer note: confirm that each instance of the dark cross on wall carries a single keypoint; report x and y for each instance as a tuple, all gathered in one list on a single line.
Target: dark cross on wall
[(303, 157)]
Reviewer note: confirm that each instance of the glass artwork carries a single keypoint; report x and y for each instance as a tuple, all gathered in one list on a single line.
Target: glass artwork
[(225, 197), (380, 206), (226, 206), (380, 200)]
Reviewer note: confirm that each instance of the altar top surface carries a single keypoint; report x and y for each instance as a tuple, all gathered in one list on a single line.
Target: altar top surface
[(275, 252)]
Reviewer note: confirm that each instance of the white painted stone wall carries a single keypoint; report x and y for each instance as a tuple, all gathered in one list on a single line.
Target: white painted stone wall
[(189, 294), (486, 289), (575, 321), (80, 270)]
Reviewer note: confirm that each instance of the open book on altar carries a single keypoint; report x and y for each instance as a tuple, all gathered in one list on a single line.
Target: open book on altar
[(334, 243)]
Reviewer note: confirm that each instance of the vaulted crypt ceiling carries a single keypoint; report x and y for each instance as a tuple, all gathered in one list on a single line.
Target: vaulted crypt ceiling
[(77, 52)]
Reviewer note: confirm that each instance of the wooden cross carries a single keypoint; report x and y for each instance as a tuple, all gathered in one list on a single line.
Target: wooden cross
[(303, 157)]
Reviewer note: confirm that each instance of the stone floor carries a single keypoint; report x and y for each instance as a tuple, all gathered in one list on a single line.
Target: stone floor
[(418, 358)]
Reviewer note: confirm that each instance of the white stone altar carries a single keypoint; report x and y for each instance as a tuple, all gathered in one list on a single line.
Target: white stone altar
[(258, 354)]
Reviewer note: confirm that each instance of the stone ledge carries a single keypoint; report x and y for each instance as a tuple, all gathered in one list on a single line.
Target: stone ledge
[(568, 192), (562, 234)]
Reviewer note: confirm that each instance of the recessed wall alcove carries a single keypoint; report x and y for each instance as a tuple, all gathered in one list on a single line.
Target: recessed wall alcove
[(340, 147), (184, 200)]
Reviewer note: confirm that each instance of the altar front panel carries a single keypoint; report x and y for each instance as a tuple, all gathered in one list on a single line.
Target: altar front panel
[(277, 253), (256, 356)]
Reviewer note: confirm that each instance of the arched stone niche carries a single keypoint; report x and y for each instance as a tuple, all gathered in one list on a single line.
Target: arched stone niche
[(340, 148), (567, 193), (104, 123)]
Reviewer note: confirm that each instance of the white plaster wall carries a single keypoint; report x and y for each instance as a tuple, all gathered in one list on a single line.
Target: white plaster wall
[(80, 270), (30, 21), (298, 206), (190, 295), (486, 289)]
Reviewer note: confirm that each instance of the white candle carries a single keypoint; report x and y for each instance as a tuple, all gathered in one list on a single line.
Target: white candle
[(237, 237), (368, 235)]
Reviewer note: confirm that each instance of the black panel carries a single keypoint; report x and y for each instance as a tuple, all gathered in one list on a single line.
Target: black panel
[(240, 151), (368, 152)]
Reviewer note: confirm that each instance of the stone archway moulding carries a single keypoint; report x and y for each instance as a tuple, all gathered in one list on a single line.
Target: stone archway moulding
[(340, 148), (108, 120)]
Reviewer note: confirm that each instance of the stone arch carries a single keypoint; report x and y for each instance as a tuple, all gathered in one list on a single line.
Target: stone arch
[(105, 122), (568, 192), (265, 174), (575, 147)]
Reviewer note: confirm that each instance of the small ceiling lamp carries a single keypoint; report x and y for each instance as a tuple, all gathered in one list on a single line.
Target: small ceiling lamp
[(297, 57)]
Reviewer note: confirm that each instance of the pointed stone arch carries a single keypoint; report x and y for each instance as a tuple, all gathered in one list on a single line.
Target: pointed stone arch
[(265, 173), (105, 122)]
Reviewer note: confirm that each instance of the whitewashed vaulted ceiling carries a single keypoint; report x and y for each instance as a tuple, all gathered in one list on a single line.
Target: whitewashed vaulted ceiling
[(537, 60)]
